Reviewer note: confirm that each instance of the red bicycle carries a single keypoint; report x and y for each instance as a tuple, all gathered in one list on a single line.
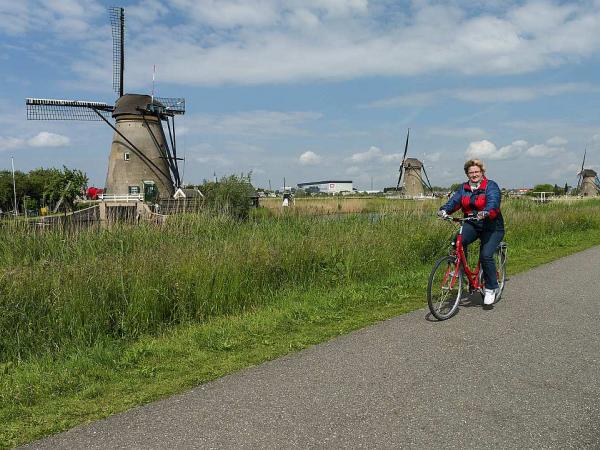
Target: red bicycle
[(445, 287)]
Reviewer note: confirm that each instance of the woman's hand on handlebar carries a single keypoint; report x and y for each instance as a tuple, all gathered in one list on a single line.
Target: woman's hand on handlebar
[(442, 214)]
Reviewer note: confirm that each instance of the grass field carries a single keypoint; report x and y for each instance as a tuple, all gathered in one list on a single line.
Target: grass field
[(94, 322)]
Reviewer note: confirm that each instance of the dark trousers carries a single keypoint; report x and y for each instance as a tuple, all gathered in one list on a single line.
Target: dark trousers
[(490, 238)]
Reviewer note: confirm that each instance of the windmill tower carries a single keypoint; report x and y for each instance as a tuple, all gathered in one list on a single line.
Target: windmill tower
[(588, 184), (414, 185), (143, 162)]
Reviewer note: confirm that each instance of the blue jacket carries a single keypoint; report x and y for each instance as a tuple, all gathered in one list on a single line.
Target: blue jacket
[(486, 197)]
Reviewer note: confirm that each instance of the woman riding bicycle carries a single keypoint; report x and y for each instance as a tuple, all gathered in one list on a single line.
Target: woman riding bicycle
[(480, 196)]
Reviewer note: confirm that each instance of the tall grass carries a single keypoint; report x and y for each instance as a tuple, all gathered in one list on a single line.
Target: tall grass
[(61, 291)]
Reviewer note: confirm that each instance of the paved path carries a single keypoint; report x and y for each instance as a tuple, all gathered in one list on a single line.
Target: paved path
[(523, 375)]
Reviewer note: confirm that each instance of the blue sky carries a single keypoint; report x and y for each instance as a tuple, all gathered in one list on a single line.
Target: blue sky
[(318, 89)]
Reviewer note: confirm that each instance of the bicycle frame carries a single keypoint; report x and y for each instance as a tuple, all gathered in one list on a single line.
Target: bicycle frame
[(461, 259), (472, 275)]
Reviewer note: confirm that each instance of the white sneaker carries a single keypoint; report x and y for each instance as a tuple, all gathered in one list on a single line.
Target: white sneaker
[(489, 297)]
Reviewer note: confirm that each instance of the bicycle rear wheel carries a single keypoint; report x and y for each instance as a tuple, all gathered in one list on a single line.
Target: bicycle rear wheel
[(444, 289), (500, 260)]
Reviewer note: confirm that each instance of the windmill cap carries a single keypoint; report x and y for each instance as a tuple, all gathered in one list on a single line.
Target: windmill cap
[(588, 173), (133, 104), (412, 163)]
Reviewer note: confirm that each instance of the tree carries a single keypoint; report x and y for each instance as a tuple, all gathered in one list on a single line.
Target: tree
[(230, 195), (63, 187), (455, 187), (546, 187), (7, 197)]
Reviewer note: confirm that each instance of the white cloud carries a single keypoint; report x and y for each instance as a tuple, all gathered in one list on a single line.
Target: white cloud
[(309, 158), (481, 149), (353, 170), (487, 150), (254, 123), (65, 17), (42, 139), (469, 133), (230, 13), (146, 11), (413, 99), (542, 150), (214, 160), (432, 157), (512, 150), (45, 139), (391, 157), (9, 143), (557, 141), (508, 94), (372, 154), (273, 41)]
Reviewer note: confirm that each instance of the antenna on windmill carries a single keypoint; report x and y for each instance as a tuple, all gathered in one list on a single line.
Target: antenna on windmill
[(153, 77)]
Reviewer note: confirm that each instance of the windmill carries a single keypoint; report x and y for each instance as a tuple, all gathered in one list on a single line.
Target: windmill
[(588, 183), (143, 161), (414, 185)]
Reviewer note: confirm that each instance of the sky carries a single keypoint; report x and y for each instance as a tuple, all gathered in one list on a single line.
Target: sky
[(311, 90)]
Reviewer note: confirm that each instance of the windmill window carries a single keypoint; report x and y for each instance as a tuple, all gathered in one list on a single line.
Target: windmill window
[(126, 156), (134, 190)]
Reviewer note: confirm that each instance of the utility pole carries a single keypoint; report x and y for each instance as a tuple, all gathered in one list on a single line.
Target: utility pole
[(12, 163)]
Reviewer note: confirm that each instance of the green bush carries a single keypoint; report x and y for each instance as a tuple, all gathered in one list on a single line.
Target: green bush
[(230, 195)]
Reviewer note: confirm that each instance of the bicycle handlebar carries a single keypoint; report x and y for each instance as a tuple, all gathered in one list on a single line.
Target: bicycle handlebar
[(463, 219)]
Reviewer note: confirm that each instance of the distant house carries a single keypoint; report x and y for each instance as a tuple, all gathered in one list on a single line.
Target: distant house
[(519, 191), (327, 186), (187, 193)]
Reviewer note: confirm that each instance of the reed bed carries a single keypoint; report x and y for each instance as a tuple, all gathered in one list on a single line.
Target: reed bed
[(63, 291), (342, 205)]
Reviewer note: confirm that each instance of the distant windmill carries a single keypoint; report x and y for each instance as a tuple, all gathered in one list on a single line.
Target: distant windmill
[(588, 183), (414, 185), (142, 159)]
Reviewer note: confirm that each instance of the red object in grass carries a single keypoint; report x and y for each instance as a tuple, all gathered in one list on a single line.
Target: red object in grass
[(93, 192)]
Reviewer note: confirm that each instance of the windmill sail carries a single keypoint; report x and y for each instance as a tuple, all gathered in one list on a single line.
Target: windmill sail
[(117, 22), (51, 109), (403, 159), (580, 174), (428, 183), (172, 105)]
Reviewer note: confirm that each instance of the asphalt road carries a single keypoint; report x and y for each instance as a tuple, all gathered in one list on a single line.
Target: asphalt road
[(525, 374)]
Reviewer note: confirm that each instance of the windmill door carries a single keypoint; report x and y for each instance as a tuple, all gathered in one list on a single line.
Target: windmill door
[(150, 191)]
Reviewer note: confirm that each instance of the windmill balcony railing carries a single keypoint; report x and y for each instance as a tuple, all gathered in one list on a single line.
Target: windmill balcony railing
[(121, 197)]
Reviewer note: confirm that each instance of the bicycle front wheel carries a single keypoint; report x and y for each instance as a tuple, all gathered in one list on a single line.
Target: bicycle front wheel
[(444, 289), (500, 260)]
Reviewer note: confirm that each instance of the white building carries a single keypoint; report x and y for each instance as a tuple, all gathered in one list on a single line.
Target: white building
[(327, 186)]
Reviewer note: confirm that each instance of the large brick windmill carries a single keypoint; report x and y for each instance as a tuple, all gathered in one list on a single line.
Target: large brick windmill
[(143, 160)]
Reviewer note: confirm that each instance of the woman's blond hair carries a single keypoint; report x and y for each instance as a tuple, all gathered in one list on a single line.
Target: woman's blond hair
[(474, 162)]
